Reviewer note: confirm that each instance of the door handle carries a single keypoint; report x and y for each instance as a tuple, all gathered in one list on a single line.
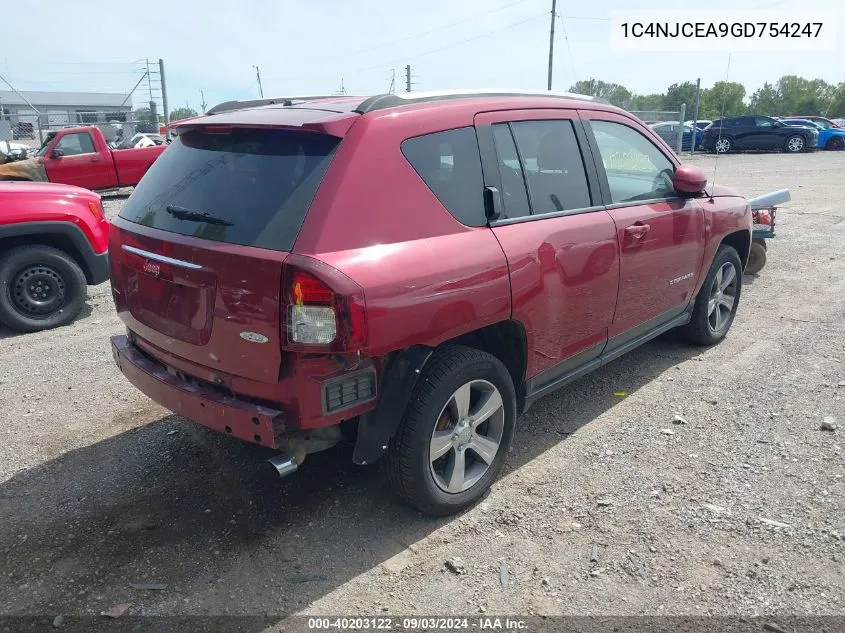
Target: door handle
[(95, 159), (637, 231)]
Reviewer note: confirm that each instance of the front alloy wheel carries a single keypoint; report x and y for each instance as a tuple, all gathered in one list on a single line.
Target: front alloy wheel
[(723, 293), (716, 303)]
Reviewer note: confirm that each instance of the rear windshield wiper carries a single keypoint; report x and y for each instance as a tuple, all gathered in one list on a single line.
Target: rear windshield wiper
[(181, 213)]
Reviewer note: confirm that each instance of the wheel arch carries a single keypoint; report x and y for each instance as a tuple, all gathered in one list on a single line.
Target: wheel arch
[(62, 236), (506, 340), (741, 242)]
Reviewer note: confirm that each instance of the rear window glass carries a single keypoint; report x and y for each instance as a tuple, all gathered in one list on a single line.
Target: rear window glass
[(249, 186), (450, 164)]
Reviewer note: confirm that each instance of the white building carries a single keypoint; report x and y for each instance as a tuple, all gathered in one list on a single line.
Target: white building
[(59, 109)]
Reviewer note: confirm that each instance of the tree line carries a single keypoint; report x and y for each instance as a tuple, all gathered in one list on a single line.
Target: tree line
[(788, 95)]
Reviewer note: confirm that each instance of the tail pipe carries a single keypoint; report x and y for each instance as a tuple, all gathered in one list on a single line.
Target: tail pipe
[(284, 464)]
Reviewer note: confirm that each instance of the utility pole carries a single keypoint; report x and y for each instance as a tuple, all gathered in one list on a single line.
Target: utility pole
[(695, 113), (408, 78), (164, 98), (392, 88), (258, 78), (203, 104), (552, 42)]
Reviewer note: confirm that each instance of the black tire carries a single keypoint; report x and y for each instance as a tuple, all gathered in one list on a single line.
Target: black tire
[(835, 144), (700, 330), (60, 288), (756, 258), (407, 465), (795, 144)]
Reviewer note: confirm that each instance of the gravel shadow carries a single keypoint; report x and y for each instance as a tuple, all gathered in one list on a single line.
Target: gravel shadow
[(171, 502)]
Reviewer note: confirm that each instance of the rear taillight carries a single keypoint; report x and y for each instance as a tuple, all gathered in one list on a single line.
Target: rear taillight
[(324, 309), (311, 316)]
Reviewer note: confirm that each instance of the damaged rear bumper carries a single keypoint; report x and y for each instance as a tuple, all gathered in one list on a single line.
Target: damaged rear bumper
[(242, 419)]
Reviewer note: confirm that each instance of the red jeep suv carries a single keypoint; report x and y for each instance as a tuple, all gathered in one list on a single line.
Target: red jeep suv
[(410, 271)]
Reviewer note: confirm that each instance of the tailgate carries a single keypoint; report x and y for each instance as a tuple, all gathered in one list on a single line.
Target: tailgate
[(215, 307), (198, 250)]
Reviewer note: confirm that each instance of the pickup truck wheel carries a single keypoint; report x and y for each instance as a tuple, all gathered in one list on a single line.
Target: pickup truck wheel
[(456, 432), (41, 287), (756, 258), (717, 301)]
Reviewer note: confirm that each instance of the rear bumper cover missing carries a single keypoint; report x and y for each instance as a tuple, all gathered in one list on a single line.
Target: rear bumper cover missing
[(244, 420)]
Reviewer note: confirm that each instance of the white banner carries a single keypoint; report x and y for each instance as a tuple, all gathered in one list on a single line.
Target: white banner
[(725, 31)]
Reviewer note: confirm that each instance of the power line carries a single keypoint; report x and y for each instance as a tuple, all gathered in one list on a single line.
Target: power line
[(425, 53), (436, 30)]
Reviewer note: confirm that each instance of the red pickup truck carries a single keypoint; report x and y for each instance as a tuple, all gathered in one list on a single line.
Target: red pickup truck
[(81, 156)]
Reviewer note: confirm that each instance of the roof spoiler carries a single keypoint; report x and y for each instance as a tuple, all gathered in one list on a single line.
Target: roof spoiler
[(228, 106)]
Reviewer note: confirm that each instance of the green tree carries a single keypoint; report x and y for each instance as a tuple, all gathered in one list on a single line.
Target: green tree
[(766, 100), (837, 102), (653, 101), (616, 94), (182, 113), (725, 98), (141, 114), (676, 94), (804, 96)]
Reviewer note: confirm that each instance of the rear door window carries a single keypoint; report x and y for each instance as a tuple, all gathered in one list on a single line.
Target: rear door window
[(249, 186), (514, 195), (554, 169), (450, 164)]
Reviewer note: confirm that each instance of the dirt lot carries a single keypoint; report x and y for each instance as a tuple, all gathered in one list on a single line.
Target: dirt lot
[(740, 511)]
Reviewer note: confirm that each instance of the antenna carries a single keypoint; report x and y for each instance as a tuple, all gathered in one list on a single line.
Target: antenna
[(721, 125)]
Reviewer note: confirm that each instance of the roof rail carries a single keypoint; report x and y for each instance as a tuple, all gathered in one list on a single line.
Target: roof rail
[(380, 102), (227, 106)]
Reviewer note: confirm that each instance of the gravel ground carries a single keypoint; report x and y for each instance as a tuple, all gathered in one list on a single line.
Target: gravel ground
[(606, 506)]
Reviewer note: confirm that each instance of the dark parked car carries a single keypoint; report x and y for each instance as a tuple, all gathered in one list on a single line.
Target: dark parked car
[(23, 130), (410, 272), (757, 132), (669, 131)]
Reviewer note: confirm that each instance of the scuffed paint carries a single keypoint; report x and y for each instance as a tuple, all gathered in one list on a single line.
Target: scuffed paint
[(28, 169)]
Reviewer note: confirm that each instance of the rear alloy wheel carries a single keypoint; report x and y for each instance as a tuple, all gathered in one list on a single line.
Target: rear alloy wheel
[(41, 287), (723, 145), (795, 144), (835, 144), (453, 440), (717, 301)]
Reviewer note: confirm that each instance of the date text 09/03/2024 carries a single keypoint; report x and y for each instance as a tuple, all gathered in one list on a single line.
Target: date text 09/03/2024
[(417, 624)]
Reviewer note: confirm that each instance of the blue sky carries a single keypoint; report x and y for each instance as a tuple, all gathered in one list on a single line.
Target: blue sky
[(310, 47)]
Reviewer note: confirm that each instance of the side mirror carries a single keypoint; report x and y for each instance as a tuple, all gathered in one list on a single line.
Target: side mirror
[(689, 179), (493, 206), (779, 123), (56, 153)]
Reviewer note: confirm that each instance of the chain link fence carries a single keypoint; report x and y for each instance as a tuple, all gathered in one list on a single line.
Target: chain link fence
[(673, 126), (119, 127)]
